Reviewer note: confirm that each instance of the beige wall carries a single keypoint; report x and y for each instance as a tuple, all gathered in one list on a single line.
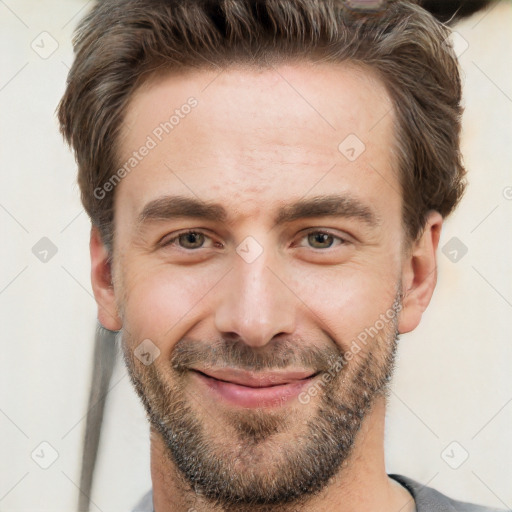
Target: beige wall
[(453, 381)]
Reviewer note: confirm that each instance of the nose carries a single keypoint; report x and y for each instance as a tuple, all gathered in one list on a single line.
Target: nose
[(256, 304)]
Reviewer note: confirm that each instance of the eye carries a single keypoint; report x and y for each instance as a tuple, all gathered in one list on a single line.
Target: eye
[(188, 240), (323, 240)]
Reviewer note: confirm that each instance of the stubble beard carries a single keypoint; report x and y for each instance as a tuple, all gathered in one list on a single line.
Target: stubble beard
[(260, 459)]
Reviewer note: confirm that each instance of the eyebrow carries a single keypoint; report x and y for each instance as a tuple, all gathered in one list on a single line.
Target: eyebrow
[(169, 207)]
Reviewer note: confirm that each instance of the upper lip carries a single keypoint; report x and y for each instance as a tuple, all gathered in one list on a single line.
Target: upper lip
[(256, 379)]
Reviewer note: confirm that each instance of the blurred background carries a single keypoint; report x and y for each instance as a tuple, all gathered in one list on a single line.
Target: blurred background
[(450, 414)]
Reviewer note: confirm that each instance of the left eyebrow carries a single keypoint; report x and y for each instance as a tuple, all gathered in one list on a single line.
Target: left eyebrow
[(329, 206)]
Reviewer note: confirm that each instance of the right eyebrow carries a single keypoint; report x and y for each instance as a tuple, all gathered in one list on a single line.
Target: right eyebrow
[(168, 207)]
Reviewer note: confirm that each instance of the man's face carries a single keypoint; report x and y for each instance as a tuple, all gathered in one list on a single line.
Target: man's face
[(300, 255)]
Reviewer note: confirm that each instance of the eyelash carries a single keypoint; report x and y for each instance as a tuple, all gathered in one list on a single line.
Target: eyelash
[(171, 241)]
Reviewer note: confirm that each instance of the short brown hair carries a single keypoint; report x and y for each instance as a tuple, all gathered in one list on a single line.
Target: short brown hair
[(121, 43)]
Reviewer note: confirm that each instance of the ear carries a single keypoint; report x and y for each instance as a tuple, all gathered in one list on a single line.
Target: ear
[(101, 278), (419, 274)]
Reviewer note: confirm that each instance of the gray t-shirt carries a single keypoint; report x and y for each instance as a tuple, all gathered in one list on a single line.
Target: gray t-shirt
[(426, 499)]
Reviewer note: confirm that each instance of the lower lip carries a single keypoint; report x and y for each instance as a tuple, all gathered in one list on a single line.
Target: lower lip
[(249, 397)]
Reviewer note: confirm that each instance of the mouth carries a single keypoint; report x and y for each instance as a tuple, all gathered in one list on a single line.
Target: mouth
[(253, 389)]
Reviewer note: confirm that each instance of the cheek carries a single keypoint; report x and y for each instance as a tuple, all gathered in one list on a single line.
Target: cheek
[(161, 302), (348, 300)]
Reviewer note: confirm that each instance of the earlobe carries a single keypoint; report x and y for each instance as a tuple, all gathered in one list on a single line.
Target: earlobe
[(101, 279), (419, 274)]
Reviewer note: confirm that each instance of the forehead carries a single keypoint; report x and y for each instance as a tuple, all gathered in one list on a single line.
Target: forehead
[(257, 134)]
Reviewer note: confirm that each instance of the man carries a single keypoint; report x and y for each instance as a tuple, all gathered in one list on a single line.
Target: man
[(267, 183)]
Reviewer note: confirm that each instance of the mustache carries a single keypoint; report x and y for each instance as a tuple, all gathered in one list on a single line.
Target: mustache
[(189, 353)]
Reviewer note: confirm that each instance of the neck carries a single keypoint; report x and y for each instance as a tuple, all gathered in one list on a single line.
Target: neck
[(361, 484)]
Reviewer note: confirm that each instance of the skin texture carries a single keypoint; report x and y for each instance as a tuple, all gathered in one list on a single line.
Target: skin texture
[(259, 140)]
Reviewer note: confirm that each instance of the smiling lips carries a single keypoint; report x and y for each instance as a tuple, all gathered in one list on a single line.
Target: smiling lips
[(254, 389)]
